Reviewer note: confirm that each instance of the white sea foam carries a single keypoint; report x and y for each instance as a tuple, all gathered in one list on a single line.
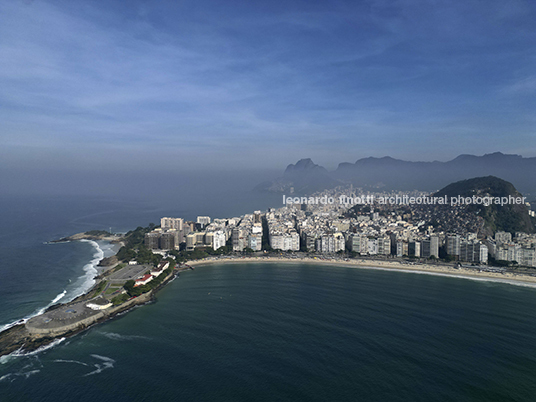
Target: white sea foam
[(58, 297), (13, 376), (40, 349), (70, 361), (6, 377), (12, 324), (85, 282), (103, 358), (107, 363), (35, 313), (118, 337), (90, 269), (6, 358), (29, 373), (21, 353)]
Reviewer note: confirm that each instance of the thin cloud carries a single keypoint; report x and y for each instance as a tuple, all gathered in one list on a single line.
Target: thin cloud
[(209, 77), (525, 85)]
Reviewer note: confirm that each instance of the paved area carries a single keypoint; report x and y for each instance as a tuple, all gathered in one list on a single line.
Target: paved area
[(129, 272), (62, 316)]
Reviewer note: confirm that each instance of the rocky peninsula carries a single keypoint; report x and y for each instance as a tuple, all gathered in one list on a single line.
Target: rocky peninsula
[(114, 292)]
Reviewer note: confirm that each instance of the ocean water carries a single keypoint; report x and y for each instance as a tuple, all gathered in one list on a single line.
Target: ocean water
[(258, 332), (35, 275)]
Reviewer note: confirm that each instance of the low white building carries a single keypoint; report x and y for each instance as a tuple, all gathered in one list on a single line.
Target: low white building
[(145, 279), (99, 303), (161, 268)]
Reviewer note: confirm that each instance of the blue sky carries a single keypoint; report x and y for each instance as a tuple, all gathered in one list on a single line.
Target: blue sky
[(137, 85)]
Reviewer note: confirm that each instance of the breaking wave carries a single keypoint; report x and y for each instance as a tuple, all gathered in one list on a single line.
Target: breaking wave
[(90, 269), (54, 301), (83, 284), (21, 353)]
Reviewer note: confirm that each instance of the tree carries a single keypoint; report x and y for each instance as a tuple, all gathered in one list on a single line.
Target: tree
[(129, 285), (126, 254)]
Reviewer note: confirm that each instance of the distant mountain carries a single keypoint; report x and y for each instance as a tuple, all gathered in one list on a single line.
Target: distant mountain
[(509, 218), (394, 174), (303, 177)]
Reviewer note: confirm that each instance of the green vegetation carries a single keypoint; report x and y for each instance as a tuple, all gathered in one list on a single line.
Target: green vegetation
[(120, 299), (129, 285), (501, 263), (111, 290), (126, 254), (135, 237), (509, 218), (100, 287), (134, 249), (198, 253), (146, 256), (134, 291)]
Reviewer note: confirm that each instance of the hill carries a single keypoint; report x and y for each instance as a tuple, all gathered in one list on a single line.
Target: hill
[(509, 218)]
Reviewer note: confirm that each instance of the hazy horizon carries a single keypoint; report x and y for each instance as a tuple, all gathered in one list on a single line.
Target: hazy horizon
[(146, 182), (198, 86)]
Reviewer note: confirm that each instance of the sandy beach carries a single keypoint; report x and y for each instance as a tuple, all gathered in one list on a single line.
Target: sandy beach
[(402, 266)]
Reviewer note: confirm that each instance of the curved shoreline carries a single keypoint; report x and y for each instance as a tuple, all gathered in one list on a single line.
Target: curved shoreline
[(23, 341), (393, 266)]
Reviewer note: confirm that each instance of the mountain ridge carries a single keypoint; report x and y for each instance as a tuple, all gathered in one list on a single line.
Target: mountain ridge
[(389, 173)]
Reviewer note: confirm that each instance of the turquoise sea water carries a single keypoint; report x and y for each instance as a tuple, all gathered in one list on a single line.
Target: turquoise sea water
[(264, 332)]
